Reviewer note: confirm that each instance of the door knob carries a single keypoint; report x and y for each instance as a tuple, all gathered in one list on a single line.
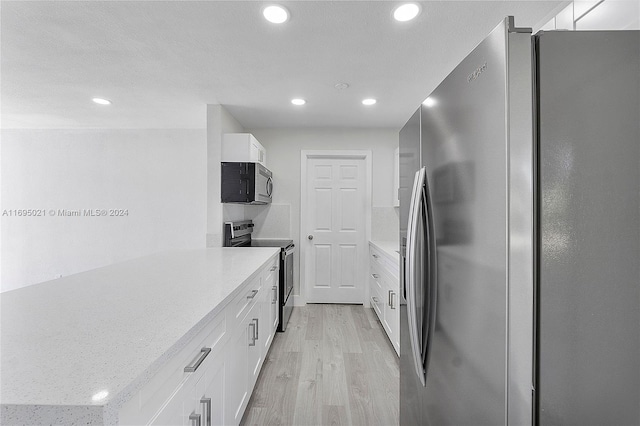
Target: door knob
[(310, 237)]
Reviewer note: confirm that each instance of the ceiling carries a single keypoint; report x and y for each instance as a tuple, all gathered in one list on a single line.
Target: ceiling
[(161, 62)]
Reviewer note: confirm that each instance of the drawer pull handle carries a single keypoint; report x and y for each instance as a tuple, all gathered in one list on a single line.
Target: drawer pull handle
[(206, 402), (275, 294), (203, 354), (253, 294), (375, 256), (273, 268), (252, 334), (194, 419), (376, 276)]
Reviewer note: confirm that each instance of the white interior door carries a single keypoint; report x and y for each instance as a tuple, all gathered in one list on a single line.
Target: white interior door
[(335, 216)]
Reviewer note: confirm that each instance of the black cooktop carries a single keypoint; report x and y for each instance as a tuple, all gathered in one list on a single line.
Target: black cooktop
[(270, 243)]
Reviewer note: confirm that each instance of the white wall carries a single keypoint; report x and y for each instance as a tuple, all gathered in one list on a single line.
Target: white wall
[(219, 122), (159, 176), (283, 155)]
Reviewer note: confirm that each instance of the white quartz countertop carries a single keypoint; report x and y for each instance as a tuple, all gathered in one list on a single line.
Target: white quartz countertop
[(390, 248), (93, 338)]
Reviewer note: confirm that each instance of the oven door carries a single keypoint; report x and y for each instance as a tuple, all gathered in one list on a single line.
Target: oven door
[(286, 287), (288, 270)]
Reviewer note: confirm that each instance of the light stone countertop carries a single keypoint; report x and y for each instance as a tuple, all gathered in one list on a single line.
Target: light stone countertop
[(389, 248), (106, 332)]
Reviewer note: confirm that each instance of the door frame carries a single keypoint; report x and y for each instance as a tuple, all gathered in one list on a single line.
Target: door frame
[(334, 154)]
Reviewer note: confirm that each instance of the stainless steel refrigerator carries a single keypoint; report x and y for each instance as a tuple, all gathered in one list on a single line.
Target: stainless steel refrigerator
[(520, 235)]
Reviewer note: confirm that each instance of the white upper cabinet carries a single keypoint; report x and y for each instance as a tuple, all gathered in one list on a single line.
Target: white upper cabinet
[(243, 147)]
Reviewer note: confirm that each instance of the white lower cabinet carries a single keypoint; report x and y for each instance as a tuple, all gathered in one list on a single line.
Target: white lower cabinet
[(171, 413), (255, 318), (238, 375), (203, 403), (209, 382), (212, 402), (250, 345), (199, 399), (384, 291), (243, 357), (392, 314), (271, 304)]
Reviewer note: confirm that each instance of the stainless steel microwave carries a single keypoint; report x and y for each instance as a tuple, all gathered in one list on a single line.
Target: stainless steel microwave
[(246, 183)]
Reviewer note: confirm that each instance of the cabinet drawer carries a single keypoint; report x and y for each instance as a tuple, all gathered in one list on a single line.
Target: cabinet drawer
[(244, 301), (172, 376), (384, 261), (376, 277), (200, 394), (271, 273)]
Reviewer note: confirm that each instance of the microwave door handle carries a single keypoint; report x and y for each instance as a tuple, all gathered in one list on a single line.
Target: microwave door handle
[(269, 186)]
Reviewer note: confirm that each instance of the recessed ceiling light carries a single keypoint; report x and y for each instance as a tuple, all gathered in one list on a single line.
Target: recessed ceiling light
[(429, 102), (406, 12), (276, 14), (298, 101), (369, 101), (101, 101)]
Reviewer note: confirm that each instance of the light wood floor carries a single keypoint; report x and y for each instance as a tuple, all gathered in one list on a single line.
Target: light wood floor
[(332, 366)]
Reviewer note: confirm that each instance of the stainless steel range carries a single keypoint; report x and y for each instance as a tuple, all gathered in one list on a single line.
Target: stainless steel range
[(238, 234)]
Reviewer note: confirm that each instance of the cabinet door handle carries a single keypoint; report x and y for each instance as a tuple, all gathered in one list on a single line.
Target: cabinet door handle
[(273, 268), (257, 328), (252, 336), (206, 402), (391, 303), (194, 419), (253, 294), (275, 294), (389, 298), (376, 276), (375, 256), (203, 354)]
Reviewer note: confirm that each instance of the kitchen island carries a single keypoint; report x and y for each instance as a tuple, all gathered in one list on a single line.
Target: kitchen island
[(76, 350)]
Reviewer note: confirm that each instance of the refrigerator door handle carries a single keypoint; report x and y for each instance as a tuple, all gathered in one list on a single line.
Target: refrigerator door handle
[(414, 265), (432, 276)]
